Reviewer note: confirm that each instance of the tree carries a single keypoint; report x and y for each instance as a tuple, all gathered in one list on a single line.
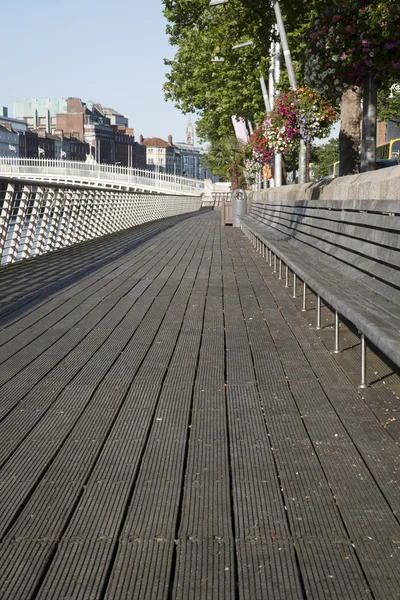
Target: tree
[(352, 46), (226, 158), (323, 157)]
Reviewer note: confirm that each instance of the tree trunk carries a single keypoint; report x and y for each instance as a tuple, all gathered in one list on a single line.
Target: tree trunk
[(233, 171), (284, 172), (308, 160), (350, 132)]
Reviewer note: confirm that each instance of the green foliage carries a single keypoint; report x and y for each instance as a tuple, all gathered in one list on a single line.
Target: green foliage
[(225, 158), (324, 156), (349, 40), (388, 108)]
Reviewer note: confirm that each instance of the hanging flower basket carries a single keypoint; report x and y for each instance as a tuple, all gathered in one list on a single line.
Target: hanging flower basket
[(348, 41)]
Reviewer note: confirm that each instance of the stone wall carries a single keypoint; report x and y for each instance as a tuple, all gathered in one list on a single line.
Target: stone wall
[(383, 184)]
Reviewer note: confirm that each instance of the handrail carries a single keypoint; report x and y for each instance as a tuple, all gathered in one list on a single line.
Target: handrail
[(98, 175)]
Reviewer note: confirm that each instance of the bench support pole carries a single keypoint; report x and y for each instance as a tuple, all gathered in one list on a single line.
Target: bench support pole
[(274, 263), (286, 276), (280, 269), (363, 382), (294, 285), (270, 258), (304, 297), (336, 350), (318, 312)]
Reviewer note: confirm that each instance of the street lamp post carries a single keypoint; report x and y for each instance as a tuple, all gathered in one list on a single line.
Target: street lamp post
[(292, 81), (290, 70)]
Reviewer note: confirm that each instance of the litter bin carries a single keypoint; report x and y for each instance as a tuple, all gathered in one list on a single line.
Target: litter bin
[(239, 206)]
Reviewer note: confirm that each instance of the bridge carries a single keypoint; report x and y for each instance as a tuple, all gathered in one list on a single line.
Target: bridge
[(98, 176), (173, 424), (50, 204)]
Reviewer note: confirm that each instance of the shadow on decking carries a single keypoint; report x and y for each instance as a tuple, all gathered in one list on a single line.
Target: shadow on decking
[(86, 258)]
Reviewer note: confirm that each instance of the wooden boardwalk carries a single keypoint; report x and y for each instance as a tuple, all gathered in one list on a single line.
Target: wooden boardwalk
[(172, 427)]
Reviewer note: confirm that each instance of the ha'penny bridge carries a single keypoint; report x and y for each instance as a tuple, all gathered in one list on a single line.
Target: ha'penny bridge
[(190, 410)]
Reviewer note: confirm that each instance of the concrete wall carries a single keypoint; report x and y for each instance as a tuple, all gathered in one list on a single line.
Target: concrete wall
[(383, 184)]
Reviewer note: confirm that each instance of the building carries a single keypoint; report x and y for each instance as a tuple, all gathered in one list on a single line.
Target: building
[(189, 159), (9, 141), (40, 114), (161, 155), (102, 132), (27, 140), (84, 121), (115, 118)]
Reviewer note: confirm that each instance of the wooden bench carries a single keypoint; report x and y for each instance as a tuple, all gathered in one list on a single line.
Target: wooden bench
[(347, 252)]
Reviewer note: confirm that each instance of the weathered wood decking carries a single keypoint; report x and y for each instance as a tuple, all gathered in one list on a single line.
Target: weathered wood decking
[(173, 428)]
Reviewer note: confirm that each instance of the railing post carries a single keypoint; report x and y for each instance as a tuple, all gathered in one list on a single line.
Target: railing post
[(336, 350), (318, 312), (363, 382)]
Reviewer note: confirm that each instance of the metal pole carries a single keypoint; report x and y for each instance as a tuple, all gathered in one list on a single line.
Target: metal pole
[(294, 285), (277, 75), (271, 89), (286, 277), (304, 297), (265, 94), (274, 263), (270, 258), (363, 383), (292, 81), (336, 350), (280, 269), (318, 312), (368, 146)]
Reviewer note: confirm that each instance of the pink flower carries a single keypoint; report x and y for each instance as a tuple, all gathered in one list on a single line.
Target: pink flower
[(396, 65), (349, 29), (336, 18)]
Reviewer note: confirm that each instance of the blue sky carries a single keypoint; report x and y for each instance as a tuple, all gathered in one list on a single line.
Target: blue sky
[(108, 52)]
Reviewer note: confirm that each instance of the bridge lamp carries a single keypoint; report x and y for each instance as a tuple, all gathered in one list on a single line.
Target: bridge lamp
[(394, 89)]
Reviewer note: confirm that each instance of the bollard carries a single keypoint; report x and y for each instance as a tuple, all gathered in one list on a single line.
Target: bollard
[(239, 206)]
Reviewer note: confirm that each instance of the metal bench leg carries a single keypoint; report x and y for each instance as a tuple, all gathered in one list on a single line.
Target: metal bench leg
[(274, 263), (294, 285), (304, 297), (336, 350), (280, 269), (270, 258), (318, 312), (363, 383), (286, 276)]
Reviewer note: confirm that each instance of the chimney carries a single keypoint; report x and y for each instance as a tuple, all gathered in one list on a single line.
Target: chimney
[(141, 139), (4, 111), (170, 140)]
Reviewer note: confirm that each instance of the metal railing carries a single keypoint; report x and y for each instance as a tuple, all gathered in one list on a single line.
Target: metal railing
[(101, 176), (40, 217)]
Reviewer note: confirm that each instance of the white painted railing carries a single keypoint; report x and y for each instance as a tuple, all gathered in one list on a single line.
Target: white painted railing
[(99, 176), (40, 217)]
